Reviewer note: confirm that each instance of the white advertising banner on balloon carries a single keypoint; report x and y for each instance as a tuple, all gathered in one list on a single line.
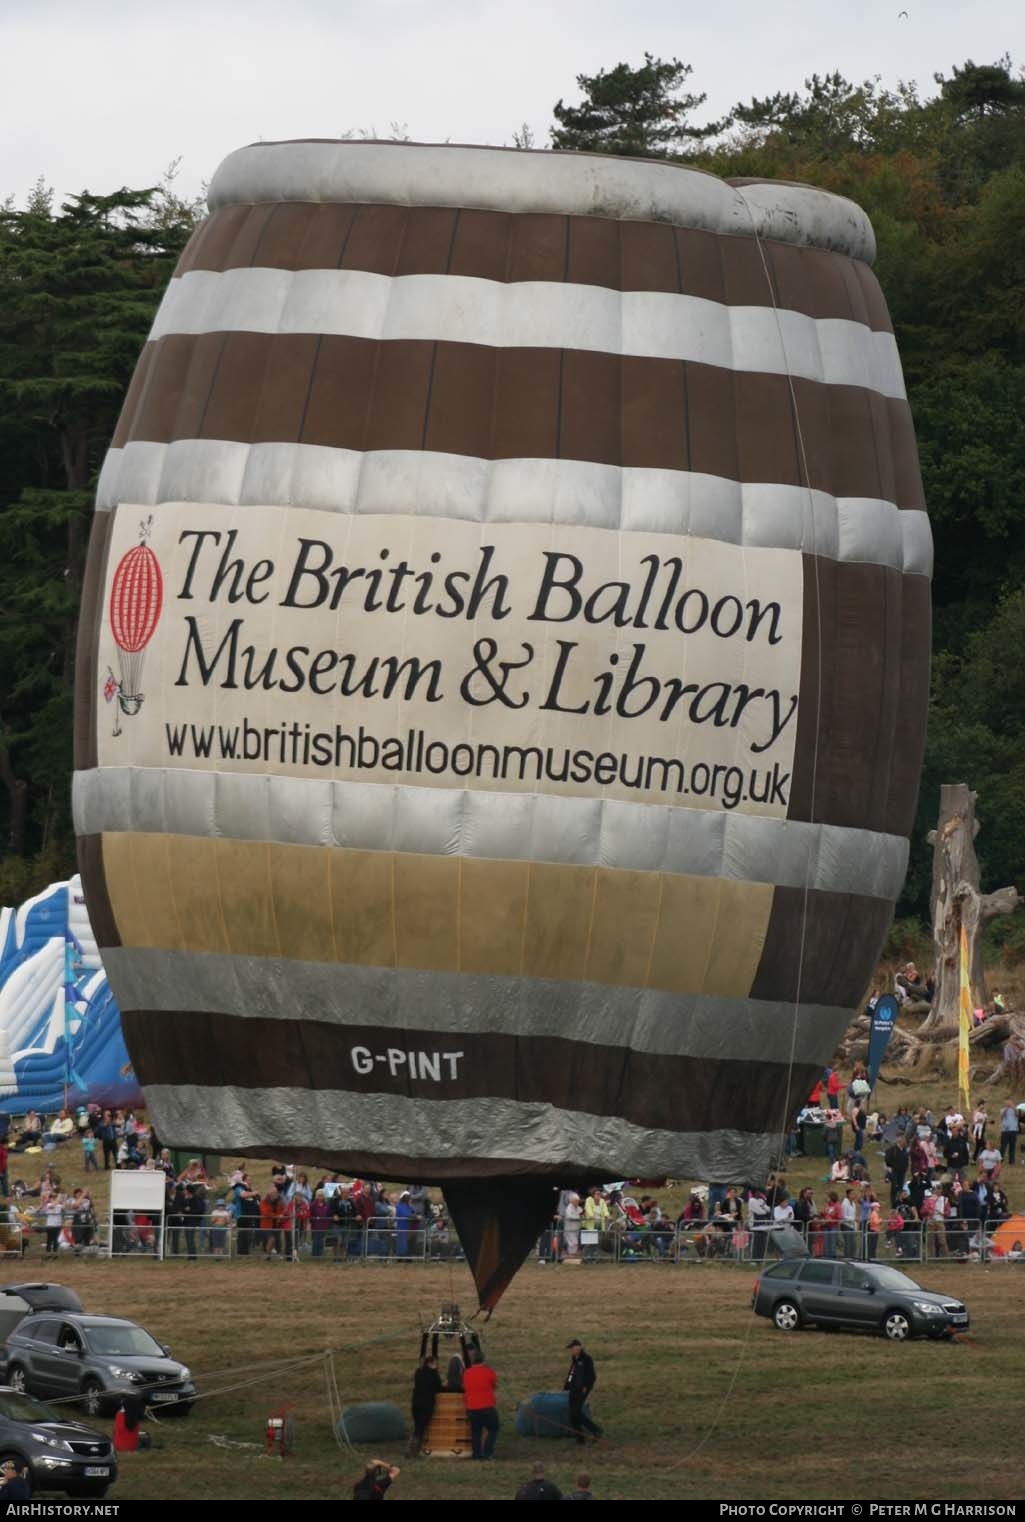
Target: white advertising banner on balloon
[(565, 659)]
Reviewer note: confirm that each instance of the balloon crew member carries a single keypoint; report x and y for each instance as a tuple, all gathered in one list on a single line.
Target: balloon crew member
[(126, 1425), (479, 1385), (376, 1479), (426, 1388), (580, 1381)]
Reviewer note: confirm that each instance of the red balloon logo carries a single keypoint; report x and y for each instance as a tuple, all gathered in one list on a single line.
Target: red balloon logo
[(136, 598)]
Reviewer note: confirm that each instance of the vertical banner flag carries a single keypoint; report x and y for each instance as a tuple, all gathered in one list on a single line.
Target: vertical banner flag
[(883, 1016), (966, 1026)]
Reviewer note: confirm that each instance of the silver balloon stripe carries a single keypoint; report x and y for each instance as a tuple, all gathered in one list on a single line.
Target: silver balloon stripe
[(569, 184), (414, 1005), (532, 314), (469, 1135), (485, 825), (543, 491)]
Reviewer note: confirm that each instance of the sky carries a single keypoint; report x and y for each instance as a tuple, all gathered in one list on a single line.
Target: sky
[(102, 93)]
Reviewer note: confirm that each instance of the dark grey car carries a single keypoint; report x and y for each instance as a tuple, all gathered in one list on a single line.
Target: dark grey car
[(99, 1358), (61, 1455), (872, 1296)]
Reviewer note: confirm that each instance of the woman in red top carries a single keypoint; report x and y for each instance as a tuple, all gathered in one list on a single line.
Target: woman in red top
[(832, 1216), (479, 1385), (270, 1205)]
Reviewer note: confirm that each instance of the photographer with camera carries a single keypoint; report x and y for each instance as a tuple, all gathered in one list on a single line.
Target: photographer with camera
[(375, 1481), (14, 1482)]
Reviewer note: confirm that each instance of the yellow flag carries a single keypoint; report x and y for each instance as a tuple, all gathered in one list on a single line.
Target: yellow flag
[(966, 1026)]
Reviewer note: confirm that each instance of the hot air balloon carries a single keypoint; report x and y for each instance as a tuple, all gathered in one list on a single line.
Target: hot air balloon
[(539, 698), (136, 597)]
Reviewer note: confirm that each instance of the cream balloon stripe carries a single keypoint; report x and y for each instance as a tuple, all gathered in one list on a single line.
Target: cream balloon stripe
[(568, 184), (339, 1122), (490, 826), (531, 314), (648, 1020), (628, 498)]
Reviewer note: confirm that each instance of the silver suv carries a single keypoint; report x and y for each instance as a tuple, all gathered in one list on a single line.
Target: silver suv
[(100, 1358)]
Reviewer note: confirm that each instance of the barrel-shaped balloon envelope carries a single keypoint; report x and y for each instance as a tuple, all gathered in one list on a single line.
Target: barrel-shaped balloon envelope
[(531, 729)]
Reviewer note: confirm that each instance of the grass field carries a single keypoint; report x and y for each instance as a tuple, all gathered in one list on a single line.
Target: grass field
[(698, 1398)]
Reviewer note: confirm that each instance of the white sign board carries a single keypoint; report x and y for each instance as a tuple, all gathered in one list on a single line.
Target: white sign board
[(137, 1189)]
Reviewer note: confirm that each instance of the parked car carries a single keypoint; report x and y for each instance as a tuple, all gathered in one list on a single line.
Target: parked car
[(61, 1455), (100, 1358), (799, 1291), (44, 1297), (19, 1300)]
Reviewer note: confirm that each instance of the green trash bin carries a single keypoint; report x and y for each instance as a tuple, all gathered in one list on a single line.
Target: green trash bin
[(813, 1140), (211, 1161)]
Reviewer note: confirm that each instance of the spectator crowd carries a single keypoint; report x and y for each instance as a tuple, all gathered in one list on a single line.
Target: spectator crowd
[(938, 1189)]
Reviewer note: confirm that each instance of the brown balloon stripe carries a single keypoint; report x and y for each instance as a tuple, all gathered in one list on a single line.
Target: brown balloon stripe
[(513, 247), (94, 888), (865, 679), (820, 947), (523, 403), (90, 620), (204, 1049)]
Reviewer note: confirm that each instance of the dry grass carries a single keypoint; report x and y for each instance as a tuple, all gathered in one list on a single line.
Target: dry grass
[(698, 1398)]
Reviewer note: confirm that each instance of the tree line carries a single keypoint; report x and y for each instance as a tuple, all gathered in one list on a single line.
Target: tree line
[(941, 173)]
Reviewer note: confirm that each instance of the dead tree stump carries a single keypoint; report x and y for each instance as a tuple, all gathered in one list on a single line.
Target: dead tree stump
[(957, 901)]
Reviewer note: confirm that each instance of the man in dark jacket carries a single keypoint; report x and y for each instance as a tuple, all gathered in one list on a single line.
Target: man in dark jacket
[(580, 1381), (897, 1160), (426, 1388), (956, 1151), (583, 1490), (537, 1488), (970, 1213), (346, 1227), (106, 1132)]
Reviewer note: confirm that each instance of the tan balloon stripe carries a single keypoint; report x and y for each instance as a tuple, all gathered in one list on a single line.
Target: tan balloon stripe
[(514, 247), (659, 1092), (527, 919), (378, 908), (472, 399)]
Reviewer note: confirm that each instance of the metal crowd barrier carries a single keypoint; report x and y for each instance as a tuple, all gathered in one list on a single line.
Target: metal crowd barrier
[(702, 1242), (380, 1242)]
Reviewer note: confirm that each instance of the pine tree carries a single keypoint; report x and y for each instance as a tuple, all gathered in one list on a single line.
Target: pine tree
[(632, 111), (78, 291)]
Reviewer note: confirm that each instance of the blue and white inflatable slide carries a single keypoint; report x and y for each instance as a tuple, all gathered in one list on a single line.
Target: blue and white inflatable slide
[(60, 1029)]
